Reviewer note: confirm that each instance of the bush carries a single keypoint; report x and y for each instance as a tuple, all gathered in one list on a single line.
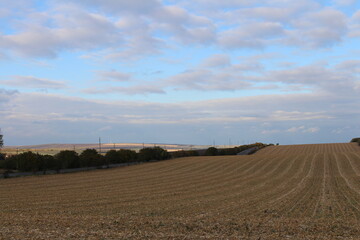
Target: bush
[(91, 158), (211, 151), (154, 153), (228, 151), (127, 155), (28, 161), (48, 162), (356, 140), (182, 153), (10, 162), (1, 140), (121, 156), (112, 156), (66, 159)]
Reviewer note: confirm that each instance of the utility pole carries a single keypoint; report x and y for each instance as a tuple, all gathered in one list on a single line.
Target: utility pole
[(99, 145)]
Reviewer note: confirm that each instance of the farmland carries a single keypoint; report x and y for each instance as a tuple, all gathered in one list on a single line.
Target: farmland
[(52, 149), (281, 192)]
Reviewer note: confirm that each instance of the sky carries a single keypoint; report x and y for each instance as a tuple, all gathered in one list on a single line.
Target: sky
[(192, 72)]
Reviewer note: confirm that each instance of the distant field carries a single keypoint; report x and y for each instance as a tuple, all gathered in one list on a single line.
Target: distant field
[(52, 149), (281, 192)]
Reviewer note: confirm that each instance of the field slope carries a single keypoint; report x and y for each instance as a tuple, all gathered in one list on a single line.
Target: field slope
[(281, 192)]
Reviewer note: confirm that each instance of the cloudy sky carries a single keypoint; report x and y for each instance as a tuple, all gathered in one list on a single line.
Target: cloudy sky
[(239, 71)]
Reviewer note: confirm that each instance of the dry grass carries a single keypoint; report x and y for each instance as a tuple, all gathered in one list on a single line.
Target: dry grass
[(281, 192)]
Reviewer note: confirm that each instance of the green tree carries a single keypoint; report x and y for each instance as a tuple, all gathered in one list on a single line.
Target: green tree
[(1, 140), (211, 151), (2, 156), (91, 158), (47, 162), (182, 153), (112, 156), (10, 163), (28, 161), (126, 155), (155, 153), (66, 159), (356, 140)]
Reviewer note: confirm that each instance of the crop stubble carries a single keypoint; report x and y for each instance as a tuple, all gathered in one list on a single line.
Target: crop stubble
[(281, 192)]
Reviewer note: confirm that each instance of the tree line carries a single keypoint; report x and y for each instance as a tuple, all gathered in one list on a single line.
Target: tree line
[(213, 151), (68, 159), (356, 140), (35, 162)]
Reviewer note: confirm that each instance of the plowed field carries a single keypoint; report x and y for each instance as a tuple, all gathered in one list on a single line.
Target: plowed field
[(281, 192)]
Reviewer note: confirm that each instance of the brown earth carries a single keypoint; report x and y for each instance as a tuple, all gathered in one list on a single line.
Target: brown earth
[(281, 192)]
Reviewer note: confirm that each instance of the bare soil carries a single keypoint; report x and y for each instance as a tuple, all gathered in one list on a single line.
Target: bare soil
[(281, 192)]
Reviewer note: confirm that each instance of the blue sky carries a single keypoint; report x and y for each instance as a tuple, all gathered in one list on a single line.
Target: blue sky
[(276, 71)]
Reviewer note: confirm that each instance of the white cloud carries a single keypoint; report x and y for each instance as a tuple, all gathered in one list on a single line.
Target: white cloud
[(123, 30), (15, 8), (312, 130), (47, 107), (69, 118), (123, 6), (279, 14), (6, 95), (341, 130), (130, 90), (297, 115), (188, 28), (295, 129), (206, 80), (303, 129), (251, 36), (114, 76), (225, 3), (217, 60), (3, 56), (349, 66), (272, 14), (339, 78), (249, 24), (248, 66), (217, 73), (104, 129), (33, 82), (319, 29), (4, 13), (355, 25), (357, 86), (344, 2), (270, 131), (142, 22), (72, 29)]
